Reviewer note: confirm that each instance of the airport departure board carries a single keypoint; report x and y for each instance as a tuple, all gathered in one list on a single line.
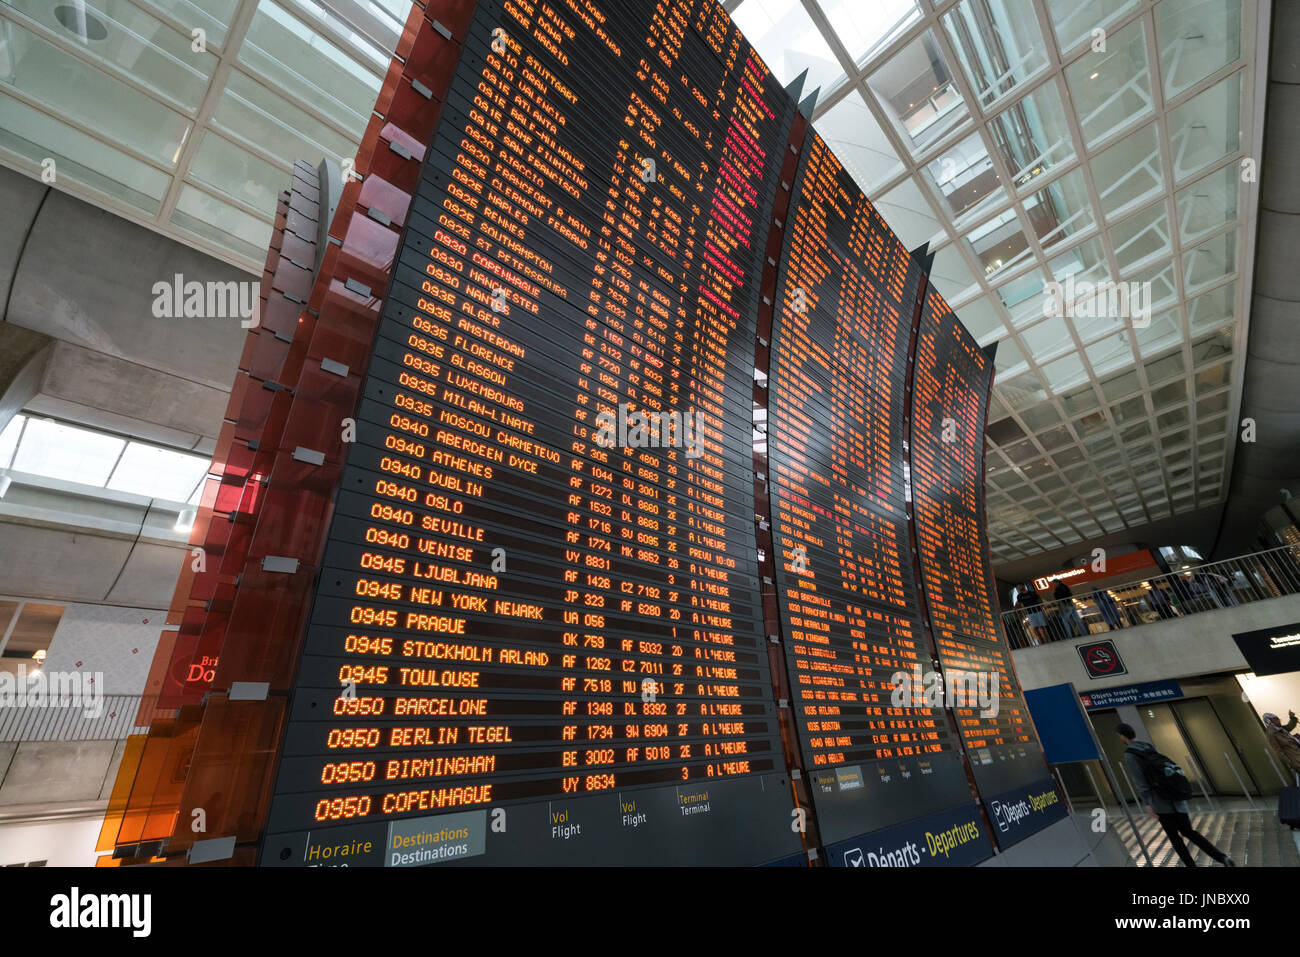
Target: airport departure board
[(952, 378), (537, 637), (839, 369), (538, 634)]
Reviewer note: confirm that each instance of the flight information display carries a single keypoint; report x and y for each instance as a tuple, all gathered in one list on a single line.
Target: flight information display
[(952, 378), (842, 330), (537, 635)]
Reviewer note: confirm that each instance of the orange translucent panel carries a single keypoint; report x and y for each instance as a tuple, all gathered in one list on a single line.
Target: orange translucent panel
[(132, 753), (231, 770)]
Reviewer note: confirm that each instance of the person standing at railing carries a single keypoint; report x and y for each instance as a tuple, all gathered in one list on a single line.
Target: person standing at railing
[(1033, 606), (1108, 609), (1159, 602), (1070, 619)]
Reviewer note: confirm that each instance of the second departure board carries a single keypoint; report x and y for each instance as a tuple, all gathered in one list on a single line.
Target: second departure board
[(841, 336), (952, 378), (537, 637)]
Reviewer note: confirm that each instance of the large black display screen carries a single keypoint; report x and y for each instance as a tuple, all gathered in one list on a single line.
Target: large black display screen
[(851, 620), (537, 638), (952, 378)]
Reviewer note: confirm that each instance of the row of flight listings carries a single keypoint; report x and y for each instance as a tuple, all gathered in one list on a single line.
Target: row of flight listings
[(594, 588)]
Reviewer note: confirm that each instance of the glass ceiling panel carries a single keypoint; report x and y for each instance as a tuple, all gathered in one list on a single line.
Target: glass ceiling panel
[(237, 173), (212, 16), (789, 42), (916, 88), (1033, 134), (1206, 128), (1060, 210), (1210, 262), (250, 110), (1129, 173), (122, 36), (9, 439), (866, 29), (1208, 204), (998, 44), (36, 136), (1113, 88), (909, 214), (1196, 37), (60, 451), (294, 58), (220, 222), (857, 139), (1211, 310), (964, 179), (72, 89), (157, 472)]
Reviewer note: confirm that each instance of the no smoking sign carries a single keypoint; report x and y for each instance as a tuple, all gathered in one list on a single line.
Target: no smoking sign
[(1101, 659)]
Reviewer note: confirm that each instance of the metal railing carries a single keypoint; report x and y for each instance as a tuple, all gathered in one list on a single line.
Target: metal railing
[(1226, 584), (112, 718)]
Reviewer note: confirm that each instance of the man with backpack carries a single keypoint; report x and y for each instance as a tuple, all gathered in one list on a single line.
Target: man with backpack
[(1164, 790)]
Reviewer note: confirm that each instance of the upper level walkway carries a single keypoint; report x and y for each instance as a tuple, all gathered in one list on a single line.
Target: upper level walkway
[(1221, 585)]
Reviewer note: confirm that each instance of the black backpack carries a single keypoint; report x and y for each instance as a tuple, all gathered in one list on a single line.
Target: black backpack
[(1164, 777)]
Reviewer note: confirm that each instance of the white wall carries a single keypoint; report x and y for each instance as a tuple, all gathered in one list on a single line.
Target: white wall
[(68, 843), (120, 642)]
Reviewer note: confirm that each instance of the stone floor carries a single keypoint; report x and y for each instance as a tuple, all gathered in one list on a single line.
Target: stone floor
[(1253, 837)]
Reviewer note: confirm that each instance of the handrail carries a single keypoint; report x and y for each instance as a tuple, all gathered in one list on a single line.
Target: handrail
[(1224, 584), (110, 718)]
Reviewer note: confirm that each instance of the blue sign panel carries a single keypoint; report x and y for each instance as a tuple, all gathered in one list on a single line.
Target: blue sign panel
[(1062, 726), (1131, 694), (1020, 812), (952, 838)]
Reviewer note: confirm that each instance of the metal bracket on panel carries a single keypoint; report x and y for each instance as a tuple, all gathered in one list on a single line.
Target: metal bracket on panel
[(271, 385), (292, 298), (334, 368), (278, 563), (775, 639), (812, 853), (217, 849), (310, 456), (379, 216), (360, 288), (423, 90), (766, 580), (399, 149), (249, 690), (443, 31), (282, 336)]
